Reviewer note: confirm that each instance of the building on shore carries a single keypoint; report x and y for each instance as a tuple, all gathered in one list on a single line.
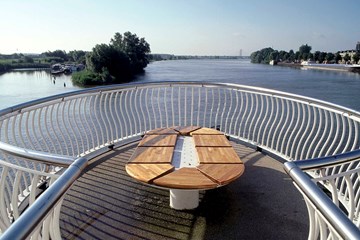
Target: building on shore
[(351, 53)]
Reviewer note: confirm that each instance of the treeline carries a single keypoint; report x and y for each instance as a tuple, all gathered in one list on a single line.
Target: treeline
[(117, 62), (304, 53), (43, 60)]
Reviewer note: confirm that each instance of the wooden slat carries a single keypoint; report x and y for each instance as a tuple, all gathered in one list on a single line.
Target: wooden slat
[(217, 155), (152, 155), (158, 141), (206, 131), (185, 178), (185, 130), (211, 141), (222, 173), (162, 131), (147, 172)]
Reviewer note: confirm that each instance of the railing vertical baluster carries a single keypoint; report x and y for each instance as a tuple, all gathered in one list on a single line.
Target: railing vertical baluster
[(72, 129), (52, 123), (112, 119), (104, 117), (335, 136), (76, 109), (328, 136), (99, 131), (159, 108), (172, 105), (355, 129), (266, 132), (276, 135), (142, 103), (33, 130), (60, 115), (298, 132), (94, 134), (199, 107), (166, 108), (185, 106), (254, 102), (212, 107), (47, 123), (192, 107), (309, 136), (290, 131), (179, 105), (228, 112), (136, 104), (132, 107), (123, 130), (347, 133), (306, 119), (128, 119), (147, 101), (153, 108), (243, 116), (85, 124), (256, 130), (236, 108), (218, 108), (82, 128), (21, 137), (239, 113)]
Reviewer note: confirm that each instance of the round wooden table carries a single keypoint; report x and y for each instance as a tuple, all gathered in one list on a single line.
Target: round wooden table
[(185, 160)]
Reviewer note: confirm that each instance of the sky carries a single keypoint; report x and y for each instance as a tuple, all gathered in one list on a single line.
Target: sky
[(180, 27)]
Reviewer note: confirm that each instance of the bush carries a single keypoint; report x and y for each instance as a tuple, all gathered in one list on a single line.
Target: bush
[(86, 77)]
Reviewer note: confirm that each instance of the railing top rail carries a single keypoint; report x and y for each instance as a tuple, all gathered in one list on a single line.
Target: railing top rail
[(316, 163), (43, 157), (275, 93)]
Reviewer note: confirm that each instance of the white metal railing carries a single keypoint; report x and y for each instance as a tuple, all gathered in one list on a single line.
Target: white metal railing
[(339, 175), (80, 123)]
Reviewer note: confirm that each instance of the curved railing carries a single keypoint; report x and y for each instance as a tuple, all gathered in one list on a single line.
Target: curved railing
[(85, 122)]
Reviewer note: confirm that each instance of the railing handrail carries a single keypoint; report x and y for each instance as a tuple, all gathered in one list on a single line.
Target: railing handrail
[(42, 157), (322, 162), (25, 225), (343, 225)]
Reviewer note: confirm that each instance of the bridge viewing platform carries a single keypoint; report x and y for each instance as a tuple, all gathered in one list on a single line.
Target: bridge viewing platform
[(62, 162)]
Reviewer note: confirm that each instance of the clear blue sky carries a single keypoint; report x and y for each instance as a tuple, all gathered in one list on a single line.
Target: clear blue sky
[(195, 27)]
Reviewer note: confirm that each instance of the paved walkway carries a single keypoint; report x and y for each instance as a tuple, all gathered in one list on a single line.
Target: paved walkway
[(105, 203)]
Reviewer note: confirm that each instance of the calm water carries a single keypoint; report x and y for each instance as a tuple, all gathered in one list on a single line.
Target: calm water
[(338, 87)]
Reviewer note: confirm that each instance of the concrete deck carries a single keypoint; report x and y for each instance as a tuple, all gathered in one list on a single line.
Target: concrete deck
[(105, 203)]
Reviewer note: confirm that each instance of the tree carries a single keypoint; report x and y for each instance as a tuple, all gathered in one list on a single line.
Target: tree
[(77, 56), (329, 57), (346, 58), (57, 54), (263, 56), (356, 58), (116, 62), (304, 49), (322, 56), (338, 57), (106, 59), (317, 56), (136, 49), (291, 55)]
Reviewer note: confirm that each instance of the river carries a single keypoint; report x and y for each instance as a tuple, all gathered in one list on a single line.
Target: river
[(341, 88)]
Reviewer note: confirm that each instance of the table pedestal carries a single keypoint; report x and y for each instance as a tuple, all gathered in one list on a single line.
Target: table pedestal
[(184, 199)]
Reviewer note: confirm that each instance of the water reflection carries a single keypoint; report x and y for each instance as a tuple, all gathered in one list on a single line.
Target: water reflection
[(25, 85)]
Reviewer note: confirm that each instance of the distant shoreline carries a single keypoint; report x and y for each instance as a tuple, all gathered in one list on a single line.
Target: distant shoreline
[(325, 67)]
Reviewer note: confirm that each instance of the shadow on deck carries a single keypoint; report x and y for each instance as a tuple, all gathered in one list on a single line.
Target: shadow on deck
[(105, 203)]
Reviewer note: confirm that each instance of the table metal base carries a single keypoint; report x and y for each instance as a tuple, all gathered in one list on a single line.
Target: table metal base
[(184, 199)]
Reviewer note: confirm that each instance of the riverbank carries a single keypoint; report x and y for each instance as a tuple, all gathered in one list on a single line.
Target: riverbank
[(326, 67)]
